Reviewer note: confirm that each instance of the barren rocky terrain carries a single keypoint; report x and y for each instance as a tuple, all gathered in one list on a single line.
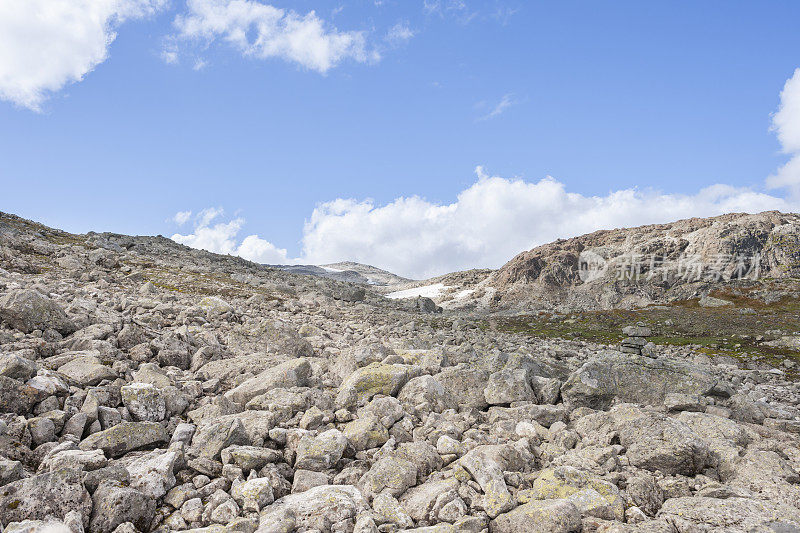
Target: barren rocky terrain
[(146, 386)]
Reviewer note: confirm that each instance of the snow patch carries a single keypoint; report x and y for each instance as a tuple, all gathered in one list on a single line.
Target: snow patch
[(428, 291)]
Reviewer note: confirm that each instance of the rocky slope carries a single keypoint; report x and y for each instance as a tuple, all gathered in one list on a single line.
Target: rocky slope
[(146, 386), (634, 267)]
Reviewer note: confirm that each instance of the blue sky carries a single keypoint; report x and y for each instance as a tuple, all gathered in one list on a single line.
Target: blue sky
[(363, 141)]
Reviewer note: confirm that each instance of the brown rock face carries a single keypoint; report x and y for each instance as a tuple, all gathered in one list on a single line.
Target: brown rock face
[(634, 266)]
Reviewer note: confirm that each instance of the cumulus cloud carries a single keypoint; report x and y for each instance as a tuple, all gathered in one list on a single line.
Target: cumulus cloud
[(786, 124), (222, 238), (47, 44), (495, 219), (182, 217), (486, 225), (264, 31)]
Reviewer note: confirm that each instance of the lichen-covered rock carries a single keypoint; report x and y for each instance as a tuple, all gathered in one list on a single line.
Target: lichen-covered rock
[(320, 452), (508, 385), (86, 369), (590, 494), (427, 391), (325, 508), (144, 402), (293, 373), (43, 496), (126, 437), (116, 504), (366, 382), (365, 432), (661, 443), (28, 310), (214, 436), (632, 378), (540, 516), (690, 514)]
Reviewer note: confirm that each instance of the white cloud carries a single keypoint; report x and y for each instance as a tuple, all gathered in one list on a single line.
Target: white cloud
[(182, 217), (264, 31), (399, 34), (487, 224), (47, 44), (222, 238), (495, 219), (505, 102), (786, 123)]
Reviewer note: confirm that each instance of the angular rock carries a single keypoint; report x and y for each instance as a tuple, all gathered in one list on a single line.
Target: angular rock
[(28, 310), (292, 373), (126, 437), (320, 452), (546, 516), (631, 378), (49, 494), (116, 504)]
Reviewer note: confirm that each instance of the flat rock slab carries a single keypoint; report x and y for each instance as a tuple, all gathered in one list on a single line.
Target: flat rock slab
[(126, 437)]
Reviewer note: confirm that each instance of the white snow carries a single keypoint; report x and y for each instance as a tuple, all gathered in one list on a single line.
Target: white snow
[(464, 293), (429, 291), (329, 269)]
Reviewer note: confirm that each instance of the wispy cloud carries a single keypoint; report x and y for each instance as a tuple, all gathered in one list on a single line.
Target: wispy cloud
[(498, 109), (399, 34)]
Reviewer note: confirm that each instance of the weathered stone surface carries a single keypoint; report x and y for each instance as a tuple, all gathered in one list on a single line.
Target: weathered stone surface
[(17, 397), (546, 516), (85, 370), (49, 494), (590, 494), (366, 432), (144, 401), (690, 514), (116, 504), (320, 452), (126, 437), (426, 390), (28, 310), (293, 373), (665, 444), (366, 382), (631, 378), (320, 508)]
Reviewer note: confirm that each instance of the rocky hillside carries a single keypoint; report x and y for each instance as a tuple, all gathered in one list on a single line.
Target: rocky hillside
[(146, 386), (633, 267)]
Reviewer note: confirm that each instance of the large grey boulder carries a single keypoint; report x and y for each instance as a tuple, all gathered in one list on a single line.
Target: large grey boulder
[(324, 508), (508, 385), (320, 452), (691, 514), (292, 373), (144, 402), (466, 385), (636, 379), (214, 436), (28, 310), (657, 442), (426, 390), (17, 397), (540, 516), (44, 495), (376, 378), (126, 437), (115, 504), (86, 369)]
